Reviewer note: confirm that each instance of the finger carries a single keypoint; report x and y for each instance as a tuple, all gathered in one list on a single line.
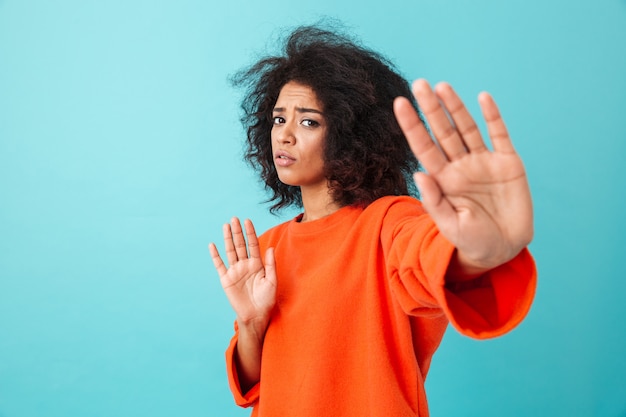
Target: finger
[(465, 125), (439, 208), (444, 131), (231, 254), (238, 239), (270, 265), (253, 241), (425, 150), (217, 260), (498, 133)]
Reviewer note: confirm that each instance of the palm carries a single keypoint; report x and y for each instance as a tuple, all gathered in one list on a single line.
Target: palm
[(478, 198), (248, 288), (249, 284)]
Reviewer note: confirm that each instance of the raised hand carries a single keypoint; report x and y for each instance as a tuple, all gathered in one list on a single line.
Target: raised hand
[(479, 199), (249, 284)]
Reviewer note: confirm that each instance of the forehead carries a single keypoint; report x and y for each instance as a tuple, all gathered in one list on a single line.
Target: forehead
[(298, 94)]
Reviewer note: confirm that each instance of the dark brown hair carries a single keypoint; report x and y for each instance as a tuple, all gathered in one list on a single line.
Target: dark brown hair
[(366, 156)]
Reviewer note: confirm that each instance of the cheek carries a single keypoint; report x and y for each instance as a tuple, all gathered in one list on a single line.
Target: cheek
[(321, 152), (319, 146)]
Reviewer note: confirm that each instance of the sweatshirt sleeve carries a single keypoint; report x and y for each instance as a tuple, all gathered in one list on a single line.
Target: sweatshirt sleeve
[(417, 258), (252, 396)]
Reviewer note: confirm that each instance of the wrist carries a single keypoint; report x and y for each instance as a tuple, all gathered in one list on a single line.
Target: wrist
[(253, 328), (464, 268), (461, 268)]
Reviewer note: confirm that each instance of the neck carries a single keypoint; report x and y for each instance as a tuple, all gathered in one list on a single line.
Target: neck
[(317, 203)]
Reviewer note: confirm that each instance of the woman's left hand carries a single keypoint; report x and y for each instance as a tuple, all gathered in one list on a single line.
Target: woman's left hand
[(479, 199)]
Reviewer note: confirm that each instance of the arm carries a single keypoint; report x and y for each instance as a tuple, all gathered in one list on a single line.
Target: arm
[(418, 260), (248, 354), (479, 199), (251, 290)]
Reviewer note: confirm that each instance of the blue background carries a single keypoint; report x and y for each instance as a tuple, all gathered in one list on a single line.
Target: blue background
[(120, 158)]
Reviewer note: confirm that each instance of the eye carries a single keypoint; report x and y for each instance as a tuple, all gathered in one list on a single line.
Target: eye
[(310, 123), (277, 120)]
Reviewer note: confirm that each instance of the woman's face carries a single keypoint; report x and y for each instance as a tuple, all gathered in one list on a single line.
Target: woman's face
[(298, 136)]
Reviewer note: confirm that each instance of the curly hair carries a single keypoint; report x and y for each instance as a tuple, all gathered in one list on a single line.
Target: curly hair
[(366, 155)]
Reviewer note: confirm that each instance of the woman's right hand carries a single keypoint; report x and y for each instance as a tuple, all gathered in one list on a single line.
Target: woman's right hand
[(251, 289), (249, 284)]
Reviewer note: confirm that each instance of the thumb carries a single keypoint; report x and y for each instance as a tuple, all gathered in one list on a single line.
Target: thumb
[(433, 199), (270, 265)]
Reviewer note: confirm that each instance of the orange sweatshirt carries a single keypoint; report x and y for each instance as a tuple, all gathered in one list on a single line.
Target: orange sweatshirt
[(361, 308)]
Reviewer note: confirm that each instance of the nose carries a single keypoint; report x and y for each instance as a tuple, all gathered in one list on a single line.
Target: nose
[(285, 134)]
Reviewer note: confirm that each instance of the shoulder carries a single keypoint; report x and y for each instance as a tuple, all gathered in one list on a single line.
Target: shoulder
[(271, 235), (399, 216), (390, 207), (275, 229)]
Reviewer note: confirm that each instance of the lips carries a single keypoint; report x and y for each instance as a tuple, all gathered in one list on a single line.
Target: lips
[(283, 158)]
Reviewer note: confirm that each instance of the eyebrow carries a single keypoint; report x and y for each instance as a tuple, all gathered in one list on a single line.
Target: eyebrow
[(299, 110)]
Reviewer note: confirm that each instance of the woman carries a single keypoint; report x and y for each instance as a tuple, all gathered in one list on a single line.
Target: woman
[(340, 310)]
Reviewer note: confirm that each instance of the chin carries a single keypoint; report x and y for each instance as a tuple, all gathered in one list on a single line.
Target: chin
[(286, 181)]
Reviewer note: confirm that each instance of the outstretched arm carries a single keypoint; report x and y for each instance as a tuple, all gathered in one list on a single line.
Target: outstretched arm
[(479, 199), (251, 290)]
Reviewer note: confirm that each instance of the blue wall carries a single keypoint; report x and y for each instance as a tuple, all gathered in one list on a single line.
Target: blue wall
[(120, 159)]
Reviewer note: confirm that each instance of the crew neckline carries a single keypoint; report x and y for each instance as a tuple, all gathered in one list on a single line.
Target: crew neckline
[(323, 223)]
